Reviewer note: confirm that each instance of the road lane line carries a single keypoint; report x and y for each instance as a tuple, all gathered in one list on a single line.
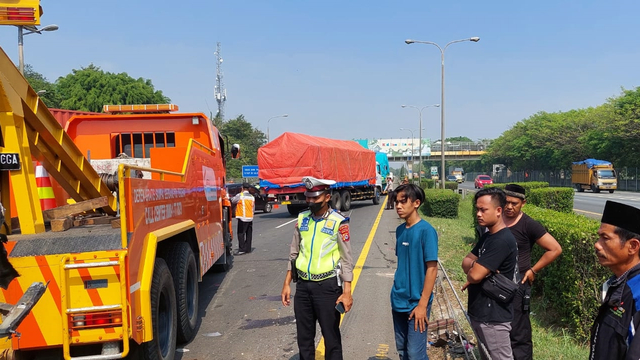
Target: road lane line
[(357, 269), (287, 223), (588, 212)]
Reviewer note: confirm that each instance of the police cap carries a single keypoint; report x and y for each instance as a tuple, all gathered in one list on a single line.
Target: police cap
[(316, 187)]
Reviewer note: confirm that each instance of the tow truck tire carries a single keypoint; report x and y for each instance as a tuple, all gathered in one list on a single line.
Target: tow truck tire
[(376, 196), (164, 317), (336, 200), (345, 197), (184, 270)]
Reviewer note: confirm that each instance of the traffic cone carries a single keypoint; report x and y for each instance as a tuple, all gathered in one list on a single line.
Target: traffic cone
[(45, 190)]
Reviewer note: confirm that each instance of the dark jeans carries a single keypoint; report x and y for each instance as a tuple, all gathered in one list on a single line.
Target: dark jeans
[(520, 334), (316, 301), (245, 235), (411, 344)]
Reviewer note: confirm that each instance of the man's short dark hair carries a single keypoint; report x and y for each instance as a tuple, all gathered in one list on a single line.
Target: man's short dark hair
[(625, 235), (246, 185), (411, 191), (497, 196)]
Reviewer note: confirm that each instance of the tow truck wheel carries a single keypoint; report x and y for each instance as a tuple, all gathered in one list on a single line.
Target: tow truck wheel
[(184, 270), (163, 315), (345, 196)]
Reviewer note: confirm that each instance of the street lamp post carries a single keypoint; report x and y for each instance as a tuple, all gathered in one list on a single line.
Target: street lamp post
[(413, 159), (442, 50), (21, 35), (268, 121), (420, 141)]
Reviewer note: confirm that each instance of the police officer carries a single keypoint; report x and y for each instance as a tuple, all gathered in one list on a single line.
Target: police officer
[(321, 257)]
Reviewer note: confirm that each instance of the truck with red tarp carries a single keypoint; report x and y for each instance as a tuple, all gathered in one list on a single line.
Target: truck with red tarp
[(283, 162)]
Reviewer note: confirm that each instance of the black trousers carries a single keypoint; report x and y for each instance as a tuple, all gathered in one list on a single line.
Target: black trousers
[(391, 197), (521, 343), (245, 235), (316, 301)]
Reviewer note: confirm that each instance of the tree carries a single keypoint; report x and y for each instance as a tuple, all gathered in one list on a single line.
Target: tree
[(459, 139), (88, 89), (39, 83), (240, 131)]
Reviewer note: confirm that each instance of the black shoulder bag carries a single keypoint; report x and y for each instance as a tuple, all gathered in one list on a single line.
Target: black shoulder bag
[(498, 287)]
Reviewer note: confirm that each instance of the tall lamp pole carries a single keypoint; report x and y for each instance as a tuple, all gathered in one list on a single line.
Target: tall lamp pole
[(409, 41), (268, 121), (21, 34), (420, 141), (413, 159)]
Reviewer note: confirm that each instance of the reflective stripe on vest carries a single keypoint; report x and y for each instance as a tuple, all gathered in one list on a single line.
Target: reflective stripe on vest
[(319, 252), (244, 209)]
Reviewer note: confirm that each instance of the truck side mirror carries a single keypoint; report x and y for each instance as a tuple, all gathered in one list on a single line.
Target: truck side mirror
[(235, 151)]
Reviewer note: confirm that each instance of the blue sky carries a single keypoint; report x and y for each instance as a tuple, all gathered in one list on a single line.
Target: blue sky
[(341, 69)]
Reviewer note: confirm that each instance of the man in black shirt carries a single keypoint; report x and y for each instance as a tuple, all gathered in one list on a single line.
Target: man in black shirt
[(496, 252), (527, 233)]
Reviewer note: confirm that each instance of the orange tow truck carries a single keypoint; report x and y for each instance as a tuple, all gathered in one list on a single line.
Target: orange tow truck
[(124, 255)]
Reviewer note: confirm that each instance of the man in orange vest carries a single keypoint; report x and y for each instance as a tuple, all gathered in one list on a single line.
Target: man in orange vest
[(245, 206)]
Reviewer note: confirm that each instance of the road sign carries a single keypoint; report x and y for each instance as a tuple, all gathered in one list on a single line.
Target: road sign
[(249, 171)]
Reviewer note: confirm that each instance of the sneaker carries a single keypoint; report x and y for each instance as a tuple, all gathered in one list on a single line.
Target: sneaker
[(240, 253)]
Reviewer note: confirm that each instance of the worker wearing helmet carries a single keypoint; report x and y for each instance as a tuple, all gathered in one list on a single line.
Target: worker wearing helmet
[(321, 264)]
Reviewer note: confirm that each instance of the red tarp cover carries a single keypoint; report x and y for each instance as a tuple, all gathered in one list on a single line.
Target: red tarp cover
[(290, 157)]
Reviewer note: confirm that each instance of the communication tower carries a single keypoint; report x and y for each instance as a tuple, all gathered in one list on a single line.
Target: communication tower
[(219, 91)]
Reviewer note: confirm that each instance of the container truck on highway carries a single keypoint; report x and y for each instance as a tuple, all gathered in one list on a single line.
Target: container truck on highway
[(123, 260), (283, 163), (595, 175)]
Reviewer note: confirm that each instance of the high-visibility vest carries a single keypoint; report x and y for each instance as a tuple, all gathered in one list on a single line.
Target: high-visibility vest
[(319, 254), (245, 207)]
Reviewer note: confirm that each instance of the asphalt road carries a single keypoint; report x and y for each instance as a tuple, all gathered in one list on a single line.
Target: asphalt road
[(591, 204), (242, 316), (241, 313)]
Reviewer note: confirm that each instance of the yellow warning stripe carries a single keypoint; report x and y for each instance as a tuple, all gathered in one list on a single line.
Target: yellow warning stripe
[(358, 268), (46, 193)]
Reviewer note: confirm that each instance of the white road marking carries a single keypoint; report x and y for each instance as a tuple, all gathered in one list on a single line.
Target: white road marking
[(287, 223)]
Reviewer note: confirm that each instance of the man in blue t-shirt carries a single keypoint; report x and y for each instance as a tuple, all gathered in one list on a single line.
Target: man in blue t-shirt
[(411, 295)]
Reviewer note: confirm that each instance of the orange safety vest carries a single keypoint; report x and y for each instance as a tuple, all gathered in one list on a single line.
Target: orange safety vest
[(245, 207)]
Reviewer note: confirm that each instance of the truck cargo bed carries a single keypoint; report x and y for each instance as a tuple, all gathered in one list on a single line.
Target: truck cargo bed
[(75, 240)]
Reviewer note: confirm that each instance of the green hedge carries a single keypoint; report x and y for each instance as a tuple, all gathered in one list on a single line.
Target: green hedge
[(441, 203), (430, 184), (571, 284), (556, 198), (528, 186)]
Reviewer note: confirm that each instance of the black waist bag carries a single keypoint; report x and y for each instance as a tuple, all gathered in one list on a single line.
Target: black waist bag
[(499, 288)]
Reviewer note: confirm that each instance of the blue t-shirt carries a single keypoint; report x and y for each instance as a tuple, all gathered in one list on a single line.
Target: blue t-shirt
[(414, 247)]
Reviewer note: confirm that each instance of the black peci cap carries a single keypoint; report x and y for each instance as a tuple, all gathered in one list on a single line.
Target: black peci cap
[(515, 191), (621, 215)]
